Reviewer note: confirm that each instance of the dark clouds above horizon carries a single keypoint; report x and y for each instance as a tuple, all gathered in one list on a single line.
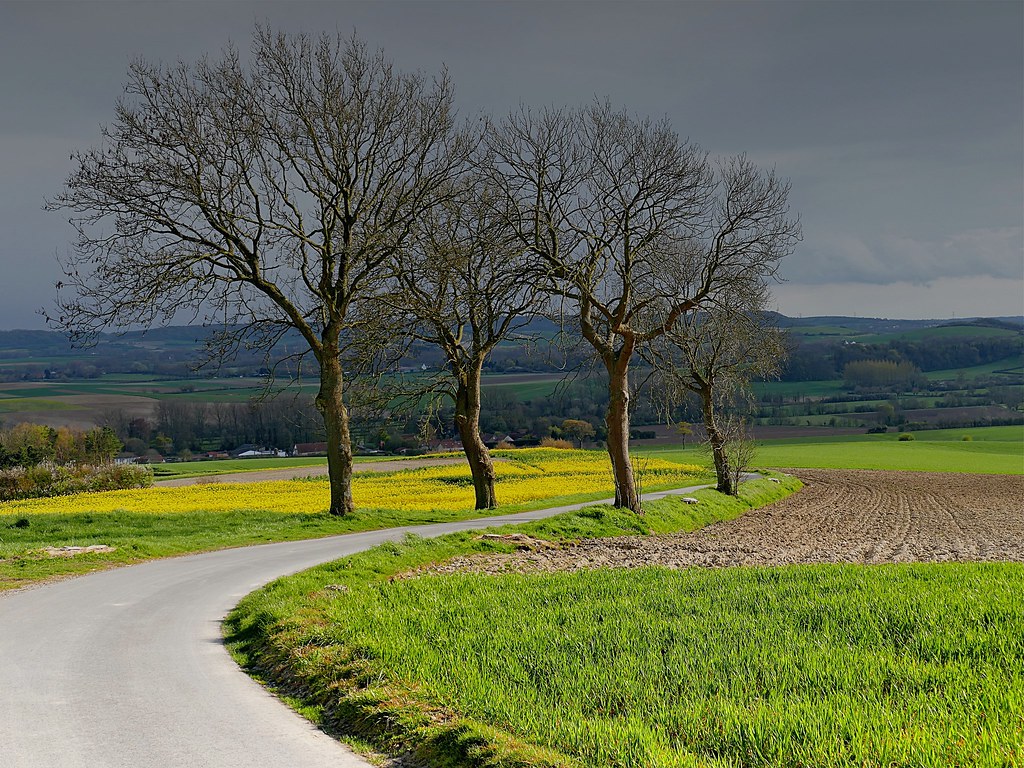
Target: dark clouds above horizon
[(900, 124)]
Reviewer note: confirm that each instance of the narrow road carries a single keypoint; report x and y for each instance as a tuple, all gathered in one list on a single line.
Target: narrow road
[(126, 668)]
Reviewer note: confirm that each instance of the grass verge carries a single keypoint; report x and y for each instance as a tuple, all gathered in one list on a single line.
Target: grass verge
[(136, 537)]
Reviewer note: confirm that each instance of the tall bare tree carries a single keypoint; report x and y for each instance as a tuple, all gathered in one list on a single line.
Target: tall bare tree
[(714, 354), (633, 228), (463, 288), (270, 196)]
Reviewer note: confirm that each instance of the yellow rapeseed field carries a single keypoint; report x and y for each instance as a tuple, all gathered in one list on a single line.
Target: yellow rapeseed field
[(523, 476)]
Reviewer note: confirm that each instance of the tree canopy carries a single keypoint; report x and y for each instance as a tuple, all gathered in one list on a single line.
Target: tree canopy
[(268, 195)]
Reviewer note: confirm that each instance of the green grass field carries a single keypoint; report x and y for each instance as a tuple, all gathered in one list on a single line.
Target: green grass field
[(137, 385), (31, 404), (991, 450), (524, 386), (223, 390), (951, 332), (918, 665), (790, 389), (225, 466), (1012, 368), (178, 469)]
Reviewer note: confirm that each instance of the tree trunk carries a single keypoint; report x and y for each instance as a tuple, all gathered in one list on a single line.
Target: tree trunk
[(617, 421), (332, 408), (716, 439), (467, 421)]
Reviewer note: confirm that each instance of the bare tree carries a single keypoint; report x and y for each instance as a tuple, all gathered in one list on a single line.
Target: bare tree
[(462, 289), (270, 196), (714, 354), (633, 228)]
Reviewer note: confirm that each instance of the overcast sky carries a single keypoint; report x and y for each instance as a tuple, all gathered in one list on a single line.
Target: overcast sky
[(900, 124)]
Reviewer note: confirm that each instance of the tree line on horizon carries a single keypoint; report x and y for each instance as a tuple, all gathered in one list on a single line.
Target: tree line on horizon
[(174, 355)]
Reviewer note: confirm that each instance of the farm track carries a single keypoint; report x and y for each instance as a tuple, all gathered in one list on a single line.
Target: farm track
[(841, 516)]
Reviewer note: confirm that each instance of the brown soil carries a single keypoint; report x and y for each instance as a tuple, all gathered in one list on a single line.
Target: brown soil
[(843, 516)]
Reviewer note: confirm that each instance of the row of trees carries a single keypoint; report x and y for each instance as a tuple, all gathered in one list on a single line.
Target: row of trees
[(828, 360), (181, 425), (316, 189), (883, 374), (26, 445)]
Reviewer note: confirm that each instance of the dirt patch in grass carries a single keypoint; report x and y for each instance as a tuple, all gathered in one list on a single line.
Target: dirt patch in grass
[(841, 516), (73, 551)]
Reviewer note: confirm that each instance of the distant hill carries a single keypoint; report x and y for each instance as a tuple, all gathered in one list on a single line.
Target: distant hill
[(174, 350)]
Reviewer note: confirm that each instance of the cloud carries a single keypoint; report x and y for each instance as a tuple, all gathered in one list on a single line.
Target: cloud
[(994, 252), (944, 298)]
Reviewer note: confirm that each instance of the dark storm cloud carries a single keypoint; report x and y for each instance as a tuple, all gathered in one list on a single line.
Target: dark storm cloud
[(900, 124)]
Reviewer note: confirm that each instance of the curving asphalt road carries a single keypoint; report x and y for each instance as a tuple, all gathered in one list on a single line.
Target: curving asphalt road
[(127, 668)]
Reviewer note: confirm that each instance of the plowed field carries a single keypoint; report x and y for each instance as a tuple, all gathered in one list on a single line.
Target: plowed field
[(839, 517)]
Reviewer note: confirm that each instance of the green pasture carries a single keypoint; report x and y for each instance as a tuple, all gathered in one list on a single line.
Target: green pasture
[(200, 390), (38, 390), (223, 395), (952, 332), (919, 456), (12, 404), (178, 469), (1010, 434), (991, 450), (32, 360), (233, 390), (1012, 368), (800, 389), (35, 391), (826, 330), (914, 665), (524, 390), (127, 378), (869, 419), (219, 390)]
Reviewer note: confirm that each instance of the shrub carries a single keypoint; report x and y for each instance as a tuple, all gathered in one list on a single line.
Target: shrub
[(642, 434), (10, 483), (553, 442), (905, 437), (48, 479), (967, 439)]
